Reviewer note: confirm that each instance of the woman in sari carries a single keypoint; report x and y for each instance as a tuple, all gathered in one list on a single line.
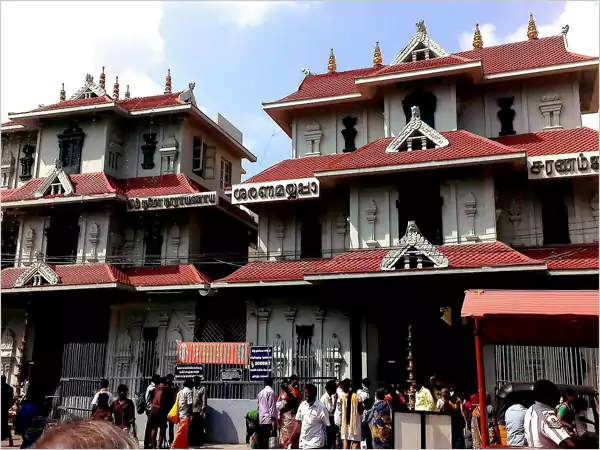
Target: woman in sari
[(252, 424), (379, 419), (352, 409), (287, 405)]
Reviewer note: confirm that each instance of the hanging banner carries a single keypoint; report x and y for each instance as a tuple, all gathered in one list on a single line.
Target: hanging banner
[(261, 362), (213, 352), (271, 191), (562, 166)]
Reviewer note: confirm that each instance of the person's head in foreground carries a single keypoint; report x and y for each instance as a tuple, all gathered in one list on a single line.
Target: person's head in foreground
[(85, 434), (310, 393), (330, 387), (546, 392), (122, 391), (268, 381), (103, 401)]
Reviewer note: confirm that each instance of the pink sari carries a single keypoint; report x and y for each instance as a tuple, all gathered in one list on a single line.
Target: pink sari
[(287, 416)]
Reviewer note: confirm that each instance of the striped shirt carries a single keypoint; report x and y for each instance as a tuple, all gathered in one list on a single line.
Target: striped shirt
[(542, 427)]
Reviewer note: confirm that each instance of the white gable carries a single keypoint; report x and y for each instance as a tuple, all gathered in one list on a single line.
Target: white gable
[(413, 244), (57, 182), (414, 129), (89, 89), (187, 96), (420, 42), (36, 272)]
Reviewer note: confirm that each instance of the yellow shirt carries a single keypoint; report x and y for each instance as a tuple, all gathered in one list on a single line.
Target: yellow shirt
[(424, 400)]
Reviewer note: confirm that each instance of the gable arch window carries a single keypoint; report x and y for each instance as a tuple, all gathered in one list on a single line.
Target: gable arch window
[(70, 145), (427, 103)]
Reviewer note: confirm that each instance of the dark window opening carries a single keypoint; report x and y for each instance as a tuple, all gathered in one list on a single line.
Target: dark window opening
[(197, 155), (70, 145), (310, 238), (423, 205), (153, 240), (10, 232), (555, 215), (62, 237), (427, 103)]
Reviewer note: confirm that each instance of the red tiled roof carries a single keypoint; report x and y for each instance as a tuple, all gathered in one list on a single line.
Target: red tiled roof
[(290, 169), (451, 60), (80, 274), (529, 54), (565, 257), (538, 303), (494, 254), (463, 144), (173, 184), (553, 142), (83, 184), (165, 275), (5, 193), (155, 101), (329, 84), (274, 271), (73, 103), (9, 123)]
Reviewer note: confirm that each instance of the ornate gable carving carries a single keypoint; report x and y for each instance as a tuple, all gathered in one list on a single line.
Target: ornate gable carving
[(416, 128), (187, 96), (419, 43), (57, 182), (37, 271), (414, 245), (88, 90)]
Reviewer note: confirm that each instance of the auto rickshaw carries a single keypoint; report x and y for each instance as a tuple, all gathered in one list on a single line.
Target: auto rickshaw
[(512, 393)]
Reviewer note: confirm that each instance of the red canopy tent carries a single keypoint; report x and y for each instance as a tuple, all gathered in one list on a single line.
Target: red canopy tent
[(529, 318)]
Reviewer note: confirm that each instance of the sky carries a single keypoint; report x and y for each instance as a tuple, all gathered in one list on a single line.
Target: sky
[(241, 54)]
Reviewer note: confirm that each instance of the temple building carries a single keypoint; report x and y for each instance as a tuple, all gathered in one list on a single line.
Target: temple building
[(114, 223), (410, 183)]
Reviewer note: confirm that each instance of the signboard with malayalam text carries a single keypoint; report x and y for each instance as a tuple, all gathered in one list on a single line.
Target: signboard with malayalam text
[(173, 201), (185, 371), (213, 352), (261, 362), (231, 374), (563, 165), (271, 191)]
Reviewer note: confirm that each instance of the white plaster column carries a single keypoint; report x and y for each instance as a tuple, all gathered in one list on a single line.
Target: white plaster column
[(319, 319), (161, 339), (363, 347), (263, 319), (251, 323)]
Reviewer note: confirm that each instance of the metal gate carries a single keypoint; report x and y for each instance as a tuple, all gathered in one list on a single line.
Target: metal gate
[(561, 365)]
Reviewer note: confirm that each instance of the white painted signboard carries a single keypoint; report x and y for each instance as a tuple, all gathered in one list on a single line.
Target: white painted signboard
[(173, 201), (563, 165), (275, 191)]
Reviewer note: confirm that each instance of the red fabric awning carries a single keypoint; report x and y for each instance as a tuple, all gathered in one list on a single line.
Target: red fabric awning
[(513, 304)]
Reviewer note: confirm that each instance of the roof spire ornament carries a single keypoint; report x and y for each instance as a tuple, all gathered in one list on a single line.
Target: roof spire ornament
[(102, 82), (116, 89), (377, 59), (168, 82), (532, 32), (63, 94), (421, 27), (332, 66), (127, 94), (477, 41)]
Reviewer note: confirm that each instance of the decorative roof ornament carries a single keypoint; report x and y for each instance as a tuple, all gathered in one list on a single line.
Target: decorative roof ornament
[(127, 94), (168, 82), (332, 65), (413, 242), (532, 32), (102, 82), (187, 96), (116, 89), (415, 124), (57, 174), (89, 79), (420, 41), (37, 271), (564, 30), (63, 94), (477, 40), (306, 72), (377, 59), (89, 88)]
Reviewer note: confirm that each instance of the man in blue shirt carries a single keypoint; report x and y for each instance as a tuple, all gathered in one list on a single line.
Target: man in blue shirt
[(515, 425)]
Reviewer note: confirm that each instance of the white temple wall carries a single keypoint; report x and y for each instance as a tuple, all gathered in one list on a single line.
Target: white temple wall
[(93, 237), (12, 143), (92, 153), (31, 238), (582, 224), (13, 332), (373, 217)]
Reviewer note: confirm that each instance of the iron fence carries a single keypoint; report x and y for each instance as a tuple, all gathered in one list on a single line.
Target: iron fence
[(561, 365)]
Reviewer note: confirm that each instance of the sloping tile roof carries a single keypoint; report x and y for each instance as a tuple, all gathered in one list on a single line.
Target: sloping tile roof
[(5, 193), (80, 274), (155, 101), (463, 144), (165, 275), (529, 54), (83, 184), (290, 169), (172, 184), (565, 257), (73, 103), (274, 271), (494, 254), (444, 61), (553, 142)]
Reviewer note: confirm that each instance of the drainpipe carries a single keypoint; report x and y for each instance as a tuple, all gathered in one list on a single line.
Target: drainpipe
[(481, 387)]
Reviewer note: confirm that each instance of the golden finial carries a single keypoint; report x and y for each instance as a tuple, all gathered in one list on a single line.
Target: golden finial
[(377, 59), (168, 82), (102, 82), (63, 94), (332, 66), (116, 89), (477, 41), (532, 32), (127, 94)]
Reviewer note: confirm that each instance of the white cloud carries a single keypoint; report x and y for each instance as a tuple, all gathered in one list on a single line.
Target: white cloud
[(583, 36), (44, 44), (253, 13)]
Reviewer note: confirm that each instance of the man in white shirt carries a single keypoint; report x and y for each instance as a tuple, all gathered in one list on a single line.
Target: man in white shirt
[(103, 390), (542, 427), (515, 425), (314, 418), (343, 387), (329, 400), (185, 401)]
